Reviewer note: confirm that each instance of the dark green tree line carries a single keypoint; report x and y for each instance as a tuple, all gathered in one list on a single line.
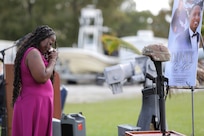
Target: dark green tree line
[(19, 17)]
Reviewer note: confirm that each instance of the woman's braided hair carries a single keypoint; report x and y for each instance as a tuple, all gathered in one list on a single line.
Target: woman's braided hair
[(30, 40)]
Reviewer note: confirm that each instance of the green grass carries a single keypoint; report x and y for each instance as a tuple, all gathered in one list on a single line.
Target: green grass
[(102, 118), (179, 113)]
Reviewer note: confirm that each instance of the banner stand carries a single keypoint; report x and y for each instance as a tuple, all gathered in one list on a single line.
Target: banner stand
[(192, 100), (192, 108)]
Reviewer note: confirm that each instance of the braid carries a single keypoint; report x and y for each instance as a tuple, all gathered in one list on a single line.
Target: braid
[(30, 40), (17, 63)]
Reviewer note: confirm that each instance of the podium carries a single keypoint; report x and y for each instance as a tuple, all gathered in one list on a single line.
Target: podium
[(9, 70), (152, 133)]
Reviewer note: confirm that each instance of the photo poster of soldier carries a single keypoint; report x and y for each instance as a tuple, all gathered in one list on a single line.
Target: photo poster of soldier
[(183, 43)]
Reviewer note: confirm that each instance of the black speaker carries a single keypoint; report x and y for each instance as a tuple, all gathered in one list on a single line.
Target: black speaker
[(73, 125)]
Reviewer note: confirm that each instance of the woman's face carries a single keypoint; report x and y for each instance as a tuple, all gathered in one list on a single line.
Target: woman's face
[(47, 43)]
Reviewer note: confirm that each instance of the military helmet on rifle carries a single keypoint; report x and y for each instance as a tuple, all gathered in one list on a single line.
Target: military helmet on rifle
[(157, 52)]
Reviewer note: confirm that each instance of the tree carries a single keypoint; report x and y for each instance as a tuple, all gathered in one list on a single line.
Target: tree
[(19, 17)]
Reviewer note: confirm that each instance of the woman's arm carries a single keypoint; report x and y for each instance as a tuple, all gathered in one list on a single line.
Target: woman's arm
[(38, 70)]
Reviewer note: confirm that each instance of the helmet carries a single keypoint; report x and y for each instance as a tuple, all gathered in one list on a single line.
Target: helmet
[(157, 52)]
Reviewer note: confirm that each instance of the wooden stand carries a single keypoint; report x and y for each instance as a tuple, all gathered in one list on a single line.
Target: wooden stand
[(152, 133), (9, 70)]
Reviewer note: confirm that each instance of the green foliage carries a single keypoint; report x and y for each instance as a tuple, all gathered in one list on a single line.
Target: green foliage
[(102, 118), (160, 26)]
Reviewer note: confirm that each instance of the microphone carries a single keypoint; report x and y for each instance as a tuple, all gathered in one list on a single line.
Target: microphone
[(51, 49)]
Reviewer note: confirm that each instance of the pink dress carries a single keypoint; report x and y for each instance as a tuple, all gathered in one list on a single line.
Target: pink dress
[(33, 110)]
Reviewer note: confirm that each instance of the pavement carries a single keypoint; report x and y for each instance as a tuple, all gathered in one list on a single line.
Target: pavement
[(92, 93)]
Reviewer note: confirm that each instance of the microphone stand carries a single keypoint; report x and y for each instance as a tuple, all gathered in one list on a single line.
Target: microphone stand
[(4, 127)]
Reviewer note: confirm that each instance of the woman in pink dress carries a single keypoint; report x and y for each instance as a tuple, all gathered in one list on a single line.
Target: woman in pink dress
[(33, 91)]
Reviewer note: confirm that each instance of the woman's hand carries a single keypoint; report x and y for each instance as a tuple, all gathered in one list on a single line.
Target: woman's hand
[(53, 55)]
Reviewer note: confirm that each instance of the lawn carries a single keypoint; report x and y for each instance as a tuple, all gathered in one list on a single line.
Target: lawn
[(102, 118)]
